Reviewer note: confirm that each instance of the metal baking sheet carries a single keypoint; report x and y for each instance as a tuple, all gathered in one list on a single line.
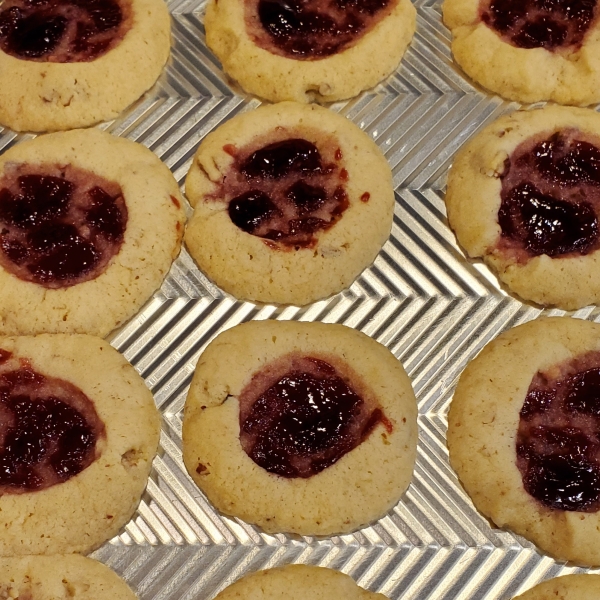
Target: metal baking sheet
[(421, 299)]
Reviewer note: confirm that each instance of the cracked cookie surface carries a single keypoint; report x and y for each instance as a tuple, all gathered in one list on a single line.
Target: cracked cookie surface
[(89, 227), (291, 203), (257, 448), (71, 64), (80, 505)]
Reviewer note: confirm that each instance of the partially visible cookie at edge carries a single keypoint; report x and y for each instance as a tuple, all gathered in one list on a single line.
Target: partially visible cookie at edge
[(297, 582), (338, 471), (523, 194), (44, 87), (90, 226), (522, 435), (60, 577), (267, 62), (578, 586), (296, 231), (526, 51)]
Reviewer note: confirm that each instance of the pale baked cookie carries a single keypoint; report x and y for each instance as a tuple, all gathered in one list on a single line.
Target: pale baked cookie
[(78, 432), (291, 203), (313, 50), (523, 435), (63, 577), (524, 194), (297, 582), (89, 226), (527, 50), (306, 428), (67, 64), (568, 587)]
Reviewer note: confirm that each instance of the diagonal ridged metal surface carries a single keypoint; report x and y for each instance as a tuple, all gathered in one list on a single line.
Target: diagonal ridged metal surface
[(420, 298)]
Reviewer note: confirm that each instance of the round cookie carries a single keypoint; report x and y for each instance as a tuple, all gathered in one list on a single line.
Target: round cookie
[(290, 466), (568, 587), (524, 194), (522, 435), (236, 33), (528, 51), (66, 400), (323, 174), (41, 296), (297, 582), (63, 577), (41, 95)]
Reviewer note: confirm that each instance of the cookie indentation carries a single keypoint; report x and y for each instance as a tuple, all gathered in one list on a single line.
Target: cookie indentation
[(286, 191), (300, 415), (550, 24), (48, 431), (62, 31), (59, 226), (551, 197), (312, 29), (558, 440)]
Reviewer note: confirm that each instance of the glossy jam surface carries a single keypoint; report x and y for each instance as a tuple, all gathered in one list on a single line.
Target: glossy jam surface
[(312, 29), (549, 24), (300, 415), (62, 30), (286, 191), (558, 440), (59, 226), (48, 430), (550, 197)]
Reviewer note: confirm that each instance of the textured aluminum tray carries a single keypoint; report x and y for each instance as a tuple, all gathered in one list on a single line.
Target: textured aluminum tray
[(421, 299)]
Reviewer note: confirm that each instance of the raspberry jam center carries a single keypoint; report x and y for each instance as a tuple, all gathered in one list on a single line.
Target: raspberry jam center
[(558, 440), (62, 30), (59, 226), (312, 29), (550, 24), (550, 197), (286, 191), (48, 430), (299, 415)]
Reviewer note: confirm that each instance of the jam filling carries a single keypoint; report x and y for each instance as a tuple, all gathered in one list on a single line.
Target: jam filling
[(299, 415), (59, 226), (48, 430), (312, 29), (62, 31), (549, 24), (550, 197), (558, 439), (287, 190)]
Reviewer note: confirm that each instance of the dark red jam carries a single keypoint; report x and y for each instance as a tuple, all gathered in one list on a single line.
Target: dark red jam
[(312, 29), (62, 30), (286, 191), (550, 24), (48, 430), (300, 415), (558, 440), (59, 226), (551, 197)]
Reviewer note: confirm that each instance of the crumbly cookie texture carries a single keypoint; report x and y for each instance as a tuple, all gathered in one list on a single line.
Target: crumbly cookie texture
[(248, 266), (482, 429), (359, 488), (152, 238), (523, 74), (297, 582), (277, 78), (62, 577), (49, 96), (83, 512), (473, 200), (569, 587)]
